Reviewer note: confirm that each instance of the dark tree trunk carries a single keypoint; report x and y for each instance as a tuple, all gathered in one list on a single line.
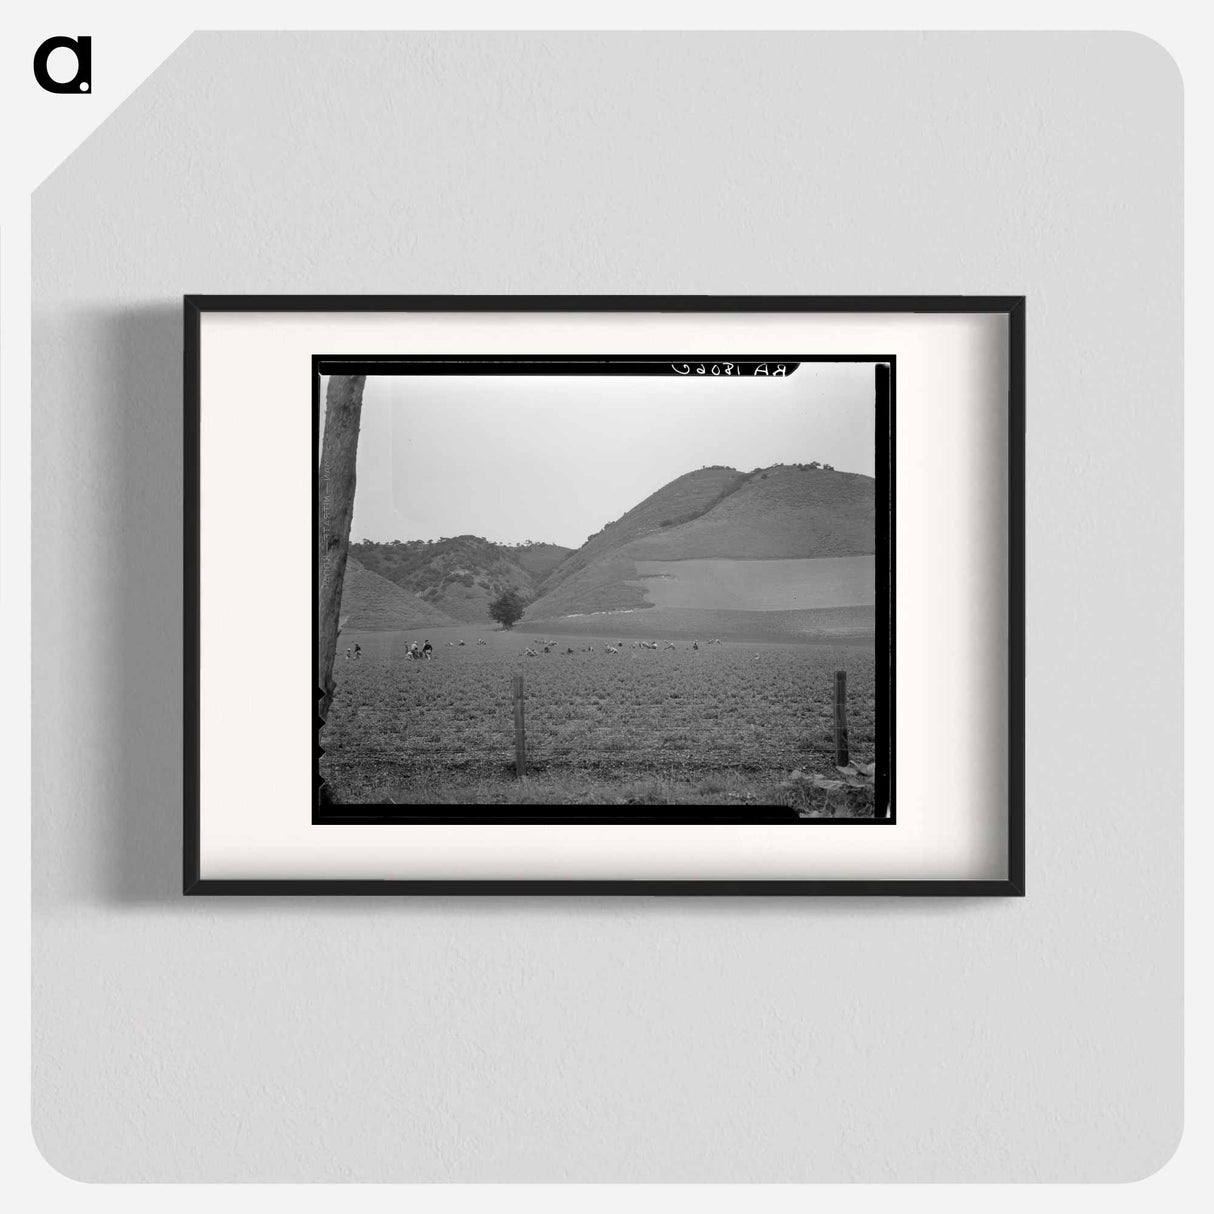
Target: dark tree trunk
[(339, 453)]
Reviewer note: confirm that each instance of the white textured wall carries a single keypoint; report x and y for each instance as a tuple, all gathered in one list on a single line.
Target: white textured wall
[(627, 1039)]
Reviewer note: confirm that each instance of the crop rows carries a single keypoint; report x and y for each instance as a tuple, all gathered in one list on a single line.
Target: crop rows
[(761, 709)]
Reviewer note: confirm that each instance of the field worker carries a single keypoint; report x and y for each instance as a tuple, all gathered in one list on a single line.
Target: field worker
[(427, 649), (358, 649), (414, 651)]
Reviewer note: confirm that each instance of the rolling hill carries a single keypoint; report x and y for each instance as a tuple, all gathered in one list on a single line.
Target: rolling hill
[(370, 603), (687, 497), (778, 513), (459, 577), (782, 512), (786, 550)]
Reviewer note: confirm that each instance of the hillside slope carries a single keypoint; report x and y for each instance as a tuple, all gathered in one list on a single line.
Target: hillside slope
[(781, 512), (370, 603), (682, 499)]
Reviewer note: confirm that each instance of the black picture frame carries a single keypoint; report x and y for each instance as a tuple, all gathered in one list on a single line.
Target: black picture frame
[(1011, 307)]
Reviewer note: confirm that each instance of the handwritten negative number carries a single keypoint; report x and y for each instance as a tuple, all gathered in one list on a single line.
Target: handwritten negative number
[(727, 369)]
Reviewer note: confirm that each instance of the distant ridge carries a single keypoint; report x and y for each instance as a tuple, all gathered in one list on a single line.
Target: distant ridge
[(459, 576), (538, 560)]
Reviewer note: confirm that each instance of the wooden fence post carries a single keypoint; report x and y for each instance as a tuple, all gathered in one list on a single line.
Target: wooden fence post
[(520, 732), (841, 718)]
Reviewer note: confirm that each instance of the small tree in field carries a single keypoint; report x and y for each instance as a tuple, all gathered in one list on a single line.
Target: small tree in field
[(507, 608)]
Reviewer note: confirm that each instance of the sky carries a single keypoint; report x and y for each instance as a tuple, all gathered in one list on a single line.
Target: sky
[(554, 459)]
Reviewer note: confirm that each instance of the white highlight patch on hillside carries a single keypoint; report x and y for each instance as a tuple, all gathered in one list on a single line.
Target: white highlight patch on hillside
[(769, 585)]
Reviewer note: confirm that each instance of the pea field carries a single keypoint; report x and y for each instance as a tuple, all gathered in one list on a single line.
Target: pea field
[(724, 723)]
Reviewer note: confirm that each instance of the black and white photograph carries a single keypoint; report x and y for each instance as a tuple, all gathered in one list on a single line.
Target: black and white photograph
[(604, 589)]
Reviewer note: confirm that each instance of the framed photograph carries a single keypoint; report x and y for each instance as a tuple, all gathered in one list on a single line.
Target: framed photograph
[(516, 594)]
